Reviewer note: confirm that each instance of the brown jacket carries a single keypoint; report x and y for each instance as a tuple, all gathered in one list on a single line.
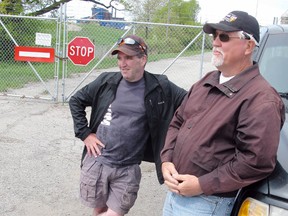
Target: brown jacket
[(226, 134)]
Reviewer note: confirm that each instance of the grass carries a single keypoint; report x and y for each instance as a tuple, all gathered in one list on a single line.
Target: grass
[(15, 75)]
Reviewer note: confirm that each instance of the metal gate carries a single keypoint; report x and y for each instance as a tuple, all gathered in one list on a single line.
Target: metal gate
[(177, 51), (19, 78)]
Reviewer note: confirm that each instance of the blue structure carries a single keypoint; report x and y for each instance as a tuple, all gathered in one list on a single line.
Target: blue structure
[(104, 14)]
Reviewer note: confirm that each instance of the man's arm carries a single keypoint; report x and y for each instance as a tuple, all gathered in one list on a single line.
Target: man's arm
[(82, 99), (78, 103), (257, 142)]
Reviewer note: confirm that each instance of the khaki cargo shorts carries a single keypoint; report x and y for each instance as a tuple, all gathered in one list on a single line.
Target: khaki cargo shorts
[(101, 185)]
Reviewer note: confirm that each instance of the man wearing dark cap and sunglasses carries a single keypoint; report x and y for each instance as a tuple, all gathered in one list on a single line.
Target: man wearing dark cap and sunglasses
[(225, 134), (131, 111)]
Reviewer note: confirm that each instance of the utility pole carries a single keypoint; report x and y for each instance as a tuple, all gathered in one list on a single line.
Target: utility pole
[(256, 13), (168, 18)]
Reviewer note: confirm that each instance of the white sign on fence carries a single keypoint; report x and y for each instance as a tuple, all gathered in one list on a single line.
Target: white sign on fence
[(43, 39)]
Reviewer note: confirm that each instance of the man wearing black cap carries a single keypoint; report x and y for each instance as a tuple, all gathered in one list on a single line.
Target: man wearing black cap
[(225, 134), (130, 114)]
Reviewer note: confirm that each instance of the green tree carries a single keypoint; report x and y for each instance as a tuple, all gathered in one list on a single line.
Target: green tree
[(11, 7), (144, 10), (178, 12), (164, 11)]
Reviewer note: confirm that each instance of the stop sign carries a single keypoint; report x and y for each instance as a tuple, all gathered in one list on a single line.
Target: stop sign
[(81, 51)]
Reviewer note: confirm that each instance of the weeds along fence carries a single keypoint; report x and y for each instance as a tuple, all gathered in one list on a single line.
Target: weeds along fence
[(178, 51)]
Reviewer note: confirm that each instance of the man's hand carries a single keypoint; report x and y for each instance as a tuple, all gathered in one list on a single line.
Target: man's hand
[(168, 170), (93, 145), (188, 185)]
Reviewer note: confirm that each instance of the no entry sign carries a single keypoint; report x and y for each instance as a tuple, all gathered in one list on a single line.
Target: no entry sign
[(81, 51), (34, 54)]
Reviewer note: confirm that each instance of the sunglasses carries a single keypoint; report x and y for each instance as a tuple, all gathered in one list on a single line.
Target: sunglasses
[(225, 37), (130, 41)]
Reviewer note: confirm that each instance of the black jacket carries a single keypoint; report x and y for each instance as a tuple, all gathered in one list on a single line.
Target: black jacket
[(161, 99)]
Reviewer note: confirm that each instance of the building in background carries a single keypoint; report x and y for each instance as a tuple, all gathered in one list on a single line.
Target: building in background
[(103, 14)]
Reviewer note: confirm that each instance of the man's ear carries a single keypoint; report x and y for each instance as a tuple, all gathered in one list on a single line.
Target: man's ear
[(144, 59), (250, 47)]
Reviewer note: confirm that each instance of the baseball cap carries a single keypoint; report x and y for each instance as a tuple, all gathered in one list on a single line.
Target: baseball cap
[(131, 45), (235, 21)]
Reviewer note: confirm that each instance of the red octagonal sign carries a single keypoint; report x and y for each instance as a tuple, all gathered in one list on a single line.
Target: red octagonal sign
[(81, 51)]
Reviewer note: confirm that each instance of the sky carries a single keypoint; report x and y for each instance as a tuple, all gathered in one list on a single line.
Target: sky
[(211, 10), (263, 10)]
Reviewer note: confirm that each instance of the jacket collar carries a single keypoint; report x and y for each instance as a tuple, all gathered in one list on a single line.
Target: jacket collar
[(232, 86), (150, 82)]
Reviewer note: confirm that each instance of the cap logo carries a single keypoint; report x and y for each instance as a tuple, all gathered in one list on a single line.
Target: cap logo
[(230, 18)]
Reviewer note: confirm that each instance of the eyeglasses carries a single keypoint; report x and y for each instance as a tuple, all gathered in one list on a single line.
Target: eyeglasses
[(224, 37), (130, 41)]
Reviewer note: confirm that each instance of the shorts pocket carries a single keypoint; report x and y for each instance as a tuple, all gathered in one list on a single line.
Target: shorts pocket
[(87, 188), (88, 182), (130, 196)]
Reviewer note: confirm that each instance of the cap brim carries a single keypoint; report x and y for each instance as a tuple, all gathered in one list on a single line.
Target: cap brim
[(126, 50), (210, 28)]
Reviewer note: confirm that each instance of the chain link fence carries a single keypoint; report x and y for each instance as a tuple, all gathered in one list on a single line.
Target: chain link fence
[(21, 31), (178, 51)]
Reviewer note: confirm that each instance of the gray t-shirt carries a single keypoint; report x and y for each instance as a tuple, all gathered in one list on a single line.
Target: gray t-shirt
[(124, 128)]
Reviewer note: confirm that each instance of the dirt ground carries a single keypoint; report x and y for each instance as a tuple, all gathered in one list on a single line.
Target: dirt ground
[(40, 161), (40, 164)]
